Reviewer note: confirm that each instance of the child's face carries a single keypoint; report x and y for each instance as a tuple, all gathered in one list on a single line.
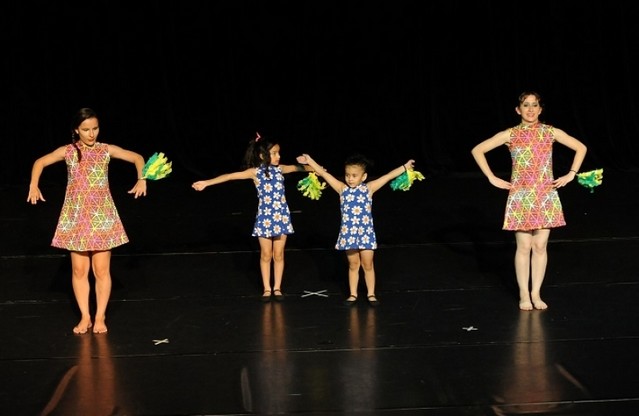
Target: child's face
[(354, 175), (275, 155)]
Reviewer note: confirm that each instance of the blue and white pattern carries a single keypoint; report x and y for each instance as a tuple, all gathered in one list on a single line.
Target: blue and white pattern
[(273, 215), (356, 231)]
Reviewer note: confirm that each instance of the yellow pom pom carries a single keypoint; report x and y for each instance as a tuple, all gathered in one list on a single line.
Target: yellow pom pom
[(404, 181), (157, 167), (311, 186)]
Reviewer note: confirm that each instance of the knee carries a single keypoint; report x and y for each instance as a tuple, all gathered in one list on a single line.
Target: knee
[(101, 273), (524, 249), (539, 249), (80, 273)]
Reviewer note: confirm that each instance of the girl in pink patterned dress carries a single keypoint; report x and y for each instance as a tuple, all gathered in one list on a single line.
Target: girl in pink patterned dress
[(89, 225), (533, 206)]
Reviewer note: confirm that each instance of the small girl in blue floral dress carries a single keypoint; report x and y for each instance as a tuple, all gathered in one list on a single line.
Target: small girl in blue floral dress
[(273, 215), (357, 233), (273, 219)]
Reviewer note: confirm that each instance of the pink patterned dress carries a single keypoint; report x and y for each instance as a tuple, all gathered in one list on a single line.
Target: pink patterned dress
[(89, 220), (532, 202)]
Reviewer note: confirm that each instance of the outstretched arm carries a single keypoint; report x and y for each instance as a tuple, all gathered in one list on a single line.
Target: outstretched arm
[(375, 185), (38, 166), (333, 182), (295, 168), (225, 177)]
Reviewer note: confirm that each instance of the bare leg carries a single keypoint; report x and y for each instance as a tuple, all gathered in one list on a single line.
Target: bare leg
[(266, 255), (278, 261), (522, 268), (353, 271), (102, 273), (369, 270), (80, 265), (539, 261)]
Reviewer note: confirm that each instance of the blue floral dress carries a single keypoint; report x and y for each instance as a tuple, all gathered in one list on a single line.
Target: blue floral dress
[(356, 231), (273, 215)]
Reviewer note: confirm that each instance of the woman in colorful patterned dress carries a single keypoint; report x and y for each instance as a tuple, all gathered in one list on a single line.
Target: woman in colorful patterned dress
[(357, 232), (89, 225), (533, 206), (273, 219)]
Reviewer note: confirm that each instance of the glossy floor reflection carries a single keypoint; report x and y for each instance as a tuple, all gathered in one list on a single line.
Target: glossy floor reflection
[(189, 336)]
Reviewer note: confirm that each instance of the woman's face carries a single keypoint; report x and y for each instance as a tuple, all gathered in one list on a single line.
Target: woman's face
[(529, 109), (88, 131)]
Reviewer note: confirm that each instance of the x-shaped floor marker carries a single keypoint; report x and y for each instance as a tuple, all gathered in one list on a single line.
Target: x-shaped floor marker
[(321, 293)]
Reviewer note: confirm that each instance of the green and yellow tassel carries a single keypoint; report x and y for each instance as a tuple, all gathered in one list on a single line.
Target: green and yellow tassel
[(404, 181), (590, 179), (157, 167), (311, 186)]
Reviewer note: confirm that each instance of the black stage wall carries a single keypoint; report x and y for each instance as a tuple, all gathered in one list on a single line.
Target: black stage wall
[(398, 80)]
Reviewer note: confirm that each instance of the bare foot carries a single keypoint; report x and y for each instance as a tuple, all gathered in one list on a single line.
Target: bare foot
[(525, 305), (82, 327), (539, 304), (100, 326)]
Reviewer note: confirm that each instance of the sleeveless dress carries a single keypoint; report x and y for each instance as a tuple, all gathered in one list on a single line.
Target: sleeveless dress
[(356, 230), (532, 202), (89, 220), (273, 216)]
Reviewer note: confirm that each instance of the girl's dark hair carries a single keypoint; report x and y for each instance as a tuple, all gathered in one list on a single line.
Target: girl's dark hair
[(525, 94), (258, 153), (359, 160), (79, 117)]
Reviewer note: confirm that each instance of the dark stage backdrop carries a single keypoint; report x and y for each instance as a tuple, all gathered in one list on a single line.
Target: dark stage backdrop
[(400, 80)]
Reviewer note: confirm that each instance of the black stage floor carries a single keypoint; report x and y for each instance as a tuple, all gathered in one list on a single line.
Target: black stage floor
[(188, 335)]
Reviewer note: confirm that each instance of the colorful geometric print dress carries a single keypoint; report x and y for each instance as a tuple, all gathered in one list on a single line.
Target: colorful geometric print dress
[(89, 220), (273, 216), (356, 231), (532, 202)]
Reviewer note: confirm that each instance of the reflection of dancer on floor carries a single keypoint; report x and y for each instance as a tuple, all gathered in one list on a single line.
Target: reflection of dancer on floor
[(533, 206), (92, 385), (274, 369), (273, 220), (360, 363), (89, 225), (357, 233), (534, 382)]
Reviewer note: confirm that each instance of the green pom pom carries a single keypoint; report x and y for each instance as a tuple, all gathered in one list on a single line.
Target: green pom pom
[(311, 186), (157, 167), (590, 179), (404, 181)]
